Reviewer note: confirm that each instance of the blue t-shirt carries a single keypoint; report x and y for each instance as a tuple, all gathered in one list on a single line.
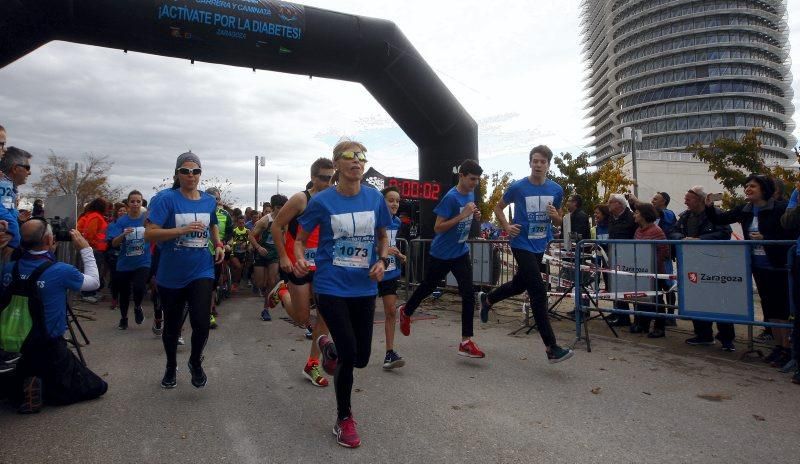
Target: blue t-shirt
[(393, 270), (186, 258), (346, 249), (452, 243), (53, 286), (134, 252), (8, 209), (530, 212)]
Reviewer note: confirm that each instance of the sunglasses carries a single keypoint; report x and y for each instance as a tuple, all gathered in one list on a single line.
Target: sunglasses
[(349, 155), (26, 167), (323, 178), (187, 171)]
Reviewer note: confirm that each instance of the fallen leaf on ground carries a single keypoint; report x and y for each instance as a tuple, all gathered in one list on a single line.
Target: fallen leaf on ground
[(523, 358), (183, 436), (358, 390), (596, 390), (758, 418), (647, 393), (455, 407), (715, 397), (612, 358)]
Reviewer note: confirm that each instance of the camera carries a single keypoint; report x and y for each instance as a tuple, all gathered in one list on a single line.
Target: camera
[(60, 229)]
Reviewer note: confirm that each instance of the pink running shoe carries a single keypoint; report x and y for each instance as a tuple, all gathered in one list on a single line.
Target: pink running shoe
[(346, 434)]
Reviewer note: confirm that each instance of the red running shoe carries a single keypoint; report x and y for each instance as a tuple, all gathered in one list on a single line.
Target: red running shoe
[(328, 351), (469, 349), (405, 320), (346, 434)]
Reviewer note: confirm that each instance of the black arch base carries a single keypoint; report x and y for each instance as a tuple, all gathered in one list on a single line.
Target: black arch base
[(268, 35)]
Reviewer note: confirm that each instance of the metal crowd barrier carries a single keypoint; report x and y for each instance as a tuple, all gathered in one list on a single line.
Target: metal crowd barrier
[(713, 281)]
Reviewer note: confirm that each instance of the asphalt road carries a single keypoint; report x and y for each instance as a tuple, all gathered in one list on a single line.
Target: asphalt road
[(630, 400)]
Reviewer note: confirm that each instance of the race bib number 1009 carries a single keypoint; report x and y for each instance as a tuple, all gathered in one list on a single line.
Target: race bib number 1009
[(197, 239)]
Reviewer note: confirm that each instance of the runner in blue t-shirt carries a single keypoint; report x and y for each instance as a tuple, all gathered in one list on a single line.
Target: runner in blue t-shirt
[(133, 262), (352, 255), (387, 288), (449, 253), (184, 218), (536, 200)]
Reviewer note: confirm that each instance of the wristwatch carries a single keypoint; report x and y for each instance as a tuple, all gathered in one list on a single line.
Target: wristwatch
[(386, 261)]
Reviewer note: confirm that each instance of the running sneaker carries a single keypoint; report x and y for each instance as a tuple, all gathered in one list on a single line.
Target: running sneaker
[(328, 351), (180, 341), (312, 373), (123, 324), (31, 396), (199, 378), (9, 358), (170, 379), (405, 320), (265, 315), (346, 434), (483, 299), (138, 315), (309, 333), (558, 354), (728, 346), (90, 299), (393, 360), (213, 323), (469, 349), (273, 297), (158, 327)]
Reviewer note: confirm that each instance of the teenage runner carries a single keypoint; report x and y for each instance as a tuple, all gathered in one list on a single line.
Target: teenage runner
[(240, 239), (449, 253), (352, 222), (536, 200), (300, 286), (387, 288), (184, 219), (133, 262), (265, 262)]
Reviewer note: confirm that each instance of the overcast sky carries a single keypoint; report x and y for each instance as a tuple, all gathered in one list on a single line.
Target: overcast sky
[(514, 65)]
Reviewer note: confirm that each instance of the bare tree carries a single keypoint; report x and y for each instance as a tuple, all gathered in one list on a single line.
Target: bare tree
[(58, 178), (225, 187)]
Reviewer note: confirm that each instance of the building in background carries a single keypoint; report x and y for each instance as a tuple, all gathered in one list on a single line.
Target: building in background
[(686, 71)]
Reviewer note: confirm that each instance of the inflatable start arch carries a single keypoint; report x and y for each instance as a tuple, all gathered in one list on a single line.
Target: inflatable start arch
[(269, 35)]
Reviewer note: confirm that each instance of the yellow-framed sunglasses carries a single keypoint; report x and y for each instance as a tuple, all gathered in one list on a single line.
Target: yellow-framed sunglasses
[(349, 155)]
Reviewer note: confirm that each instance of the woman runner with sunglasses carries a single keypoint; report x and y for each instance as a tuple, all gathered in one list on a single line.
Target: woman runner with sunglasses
[(184, 219), (352, 255)]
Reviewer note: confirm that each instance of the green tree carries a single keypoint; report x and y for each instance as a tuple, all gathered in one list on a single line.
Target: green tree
[(731, 161), (499, 183), (576, 176)]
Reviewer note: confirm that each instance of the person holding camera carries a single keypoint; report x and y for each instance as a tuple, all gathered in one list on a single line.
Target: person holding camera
[(48, 370)]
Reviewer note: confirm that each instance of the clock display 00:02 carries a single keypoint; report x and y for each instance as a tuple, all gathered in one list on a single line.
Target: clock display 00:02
[(415, 190)]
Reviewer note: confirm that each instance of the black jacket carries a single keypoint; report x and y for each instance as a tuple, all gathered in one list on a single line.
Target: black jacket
[(623, 227), (579, 222), (708, 230), (769, 225)]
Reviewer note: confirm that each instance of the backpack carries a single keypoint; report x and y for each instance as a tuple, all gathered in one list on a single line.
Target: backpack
[(19, 305)]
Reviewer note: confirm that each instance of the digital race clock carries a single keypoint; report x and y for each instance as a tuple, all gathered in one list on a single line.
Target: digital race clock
[(416, 190)]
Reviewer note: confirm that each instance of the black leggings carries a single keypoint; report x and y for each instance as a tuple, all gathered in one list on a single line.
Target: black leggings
[(350, 321), (461, 268), (124, 280), (197, 294), (528, 277)]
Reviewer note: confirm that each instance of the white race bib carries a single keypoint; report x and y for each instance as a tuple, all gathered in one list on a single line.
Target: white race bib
[(134, 242), (196, 239), (309, 255), (355, 252), (392, 263)]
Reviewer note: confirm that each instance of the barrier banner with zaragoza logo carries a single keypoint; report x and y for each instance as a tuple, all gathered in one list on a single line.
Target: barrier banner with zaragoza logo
[(714, 281)]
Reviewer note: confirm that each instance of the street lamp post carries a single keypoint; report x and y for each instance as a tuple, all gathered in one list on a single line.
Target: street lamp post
[(278, 181), (259, 160), (635, 136)]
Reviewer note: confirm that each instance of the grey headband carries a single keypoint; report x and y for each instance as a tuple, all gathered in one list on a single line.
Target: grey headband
[(187, 157)]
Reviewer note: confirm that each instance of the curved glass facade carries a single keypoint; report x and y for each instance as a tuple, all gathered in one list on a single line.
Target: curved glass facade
[(686, 71)]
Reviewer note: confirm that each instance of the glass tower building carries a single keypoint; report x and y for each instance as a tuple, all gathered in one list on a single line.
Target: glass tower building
[(686, 71)]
